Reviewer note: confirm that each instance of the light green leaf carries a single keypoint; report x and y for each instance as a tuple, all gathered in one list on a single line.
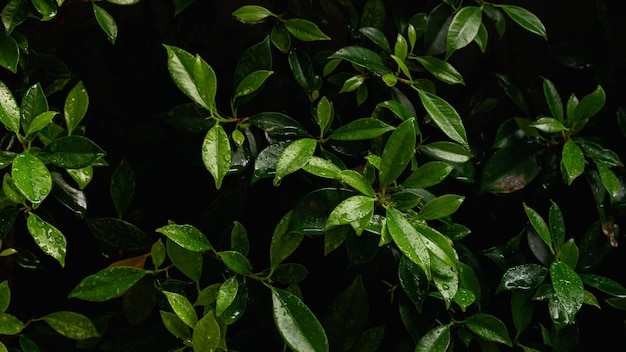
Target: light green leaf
[(427, 175), (363, 57), (568, 289), (352, 83), (82, 176), (106, 22), (401, 48), (10, 325), (441, 207), (488, 328), (324, 114), (609, 180), (34, 103), (251, 14), (548, 125), (5, 296), (351, 210), (47, 237), (32, 178), (294, 157), (525, 19), (216, 153), (408, 240), (377, 37), (296, 323), (304, 30), (435, 340), (442, 70), (75, 107), (182, 307), (207, 334), (157, 253), (186, 236), (252, 82), (397, 153), (446, 151), (322, 168), (539, 225), (42, 120), (193, 76), (357, 181), (226, 294), (573, 161), (9, 110), (445, 116), (72, 325), (46, 9), (107, 283), (463, 28), (360, 129)]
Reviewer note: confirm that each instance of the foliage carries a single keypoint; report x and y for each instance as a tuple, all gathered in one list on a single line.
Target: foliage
[(327, 186)]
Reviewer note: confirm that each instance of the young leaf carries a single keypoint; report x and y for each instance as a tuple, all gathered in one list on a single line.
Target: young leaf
[(207, 334), (322, 168), (106, 22), (193, 76), (427, 175), (446, 151), (251, 14), (401, 48), (440, 69), (441, 207), (444, 115), (525, 19), (72, 325), (553, 99), (39, 122), (296, 323), (33, 104), (226, 295), (9, 110), (573, 161), (568, 289), (32, 178), (304, 30), (47, 237), (236, 261), (488, 328), (324, 114), (122, 187), (435, 340), (252, 82), (294, 157), (548, 125), (182, 307), (5, 296), (360, 129), (10, 325), (408, 240), (75, 108), (186, 236), (539, 225), (107, 283), (216, 153), (351, 210), (463, 28), (397, 153), (157, 253)]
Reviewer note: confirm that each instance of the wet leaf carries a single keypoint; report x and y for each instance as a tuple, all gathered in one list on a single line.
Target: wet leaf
[(346, 316), (5, 296), (540, 226), (296, 323), (74, 199), (522, 310), (75, 108), (33, 104), (363, 57), (427, 175), (119, 233), (440, 69), (207, 334), (510, 169), (609, 180), (186, 236), (357, 181), (175, 325), (408, 240), (279, 125), (604, 284), (523, 277), (488, 328), (463, 28), (107, 283), (525, 19), (302, 70), (283, 243), (82, 176), (573, 161), (251, 14), (304, 30), (9, 59), (351, 210), (188, 262), (377, 37), (294, 157), (553, 99), (216, 153), (73, 325), (414, 281), (48, 238), (31, 177), (122, 187), (182, 307), (226, 294), (446, 151), (106, 22), (72, 152), (557, 226), (435, 340), (322, 168), (193, 76), (397, 153), (568, 289), (10, 324), (360, 129), (441, 207), (13, 14), (236, 262), (252, 82), (445, 117)]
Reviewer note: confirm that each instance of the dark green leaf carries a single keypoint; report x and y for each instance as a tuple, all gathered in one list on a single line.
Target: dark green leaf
[(265, 163), (377, 37), (251, 14), (72, 152), (359, 129), (157, 253), (488, 328), (553, 99), (525, 19), (73, 325), (363, 57), (441, 207), (33, 104), (604, 284), (31, 177), (510, 169), (440, 69), (122, 187), (463, 28), (186, 236), (257, 57), (414, 281), (236, 262), (427, 175), (193, 76), (446, 151), (573, 161), (568, 289), (188, 262), (522, 310), (540, 226), (598, 153), (13, 14), (74, 199), (296, 323), (513, 91), (239, 239), (397, 153), (589, 105), (107, 283), (106, 22), (9, 53), (9, 110), (119, 233), (280, 38), (304, 30), (216, 153), (252, 82), (557, 226), (548, 125), (373, 14), (279, 125), (347, 315), (435, 340), (283, 243), (175, 325), (569, 253), (302, 70), (523, 277), (445, 116), (289, 273), (609, 180), (5, 296)]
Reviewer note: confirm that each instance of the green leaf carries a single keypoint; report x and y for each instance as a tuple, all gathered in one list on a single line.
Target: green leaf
[(322, 168), (106, 22), (604, 284), (294, 157), (193, 76), (427, 175), (522, 277), (408, 240), (280, 38), (351, 210), (488, 328), (377, 37), (363, 57), (324, 114), (569, 253), (188, 262), (557, 226), (304, 30), (175, 325), (123, 2), (440, 69), (38, 123), (347, 315), (522, 310), (157, 253), (525, 19), (9, 110), (397, 153), (441, 207), (568, 289), (511, 168), (9, 54), (13, 14), (182, 307), (446, 151), (279, 125), (11, 191), (463, 28), (373, 14), (34, 103), (360, 129), (573, 160), (351, 84), (435, 340), (226, 295), (216, 153), (482, 37), (107, 283), (296, 323), (553, 99), (72, 325), (236, 261), (401, 48), (72, 152), (239, 238), (414, 281), (5, 296), (118, 233), (75, 107), (302, 70), (186, 236), (10, 325), (598, 153), (609, 180), (122, 187), (252, 82), (283, 243), (48, 238), (251, 14), (539, 225), (357, 181), (548, 125), (207, 334), (32, 178), (444, 115), (82, 176)]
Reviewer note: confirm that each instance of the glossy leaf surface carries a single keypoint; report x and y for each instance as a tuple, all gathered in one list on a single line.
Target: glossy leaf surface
[(206, 335), (463, 28), (523, 277), (525, 19), (193, 76), (119, 233), (73, 152), (445, 116), (304, 30), (294, 157), (359, 129), (106, 22), (440, 69), (489, 328), (48, 238), (363, 57), (31, 177), (182, 307), (107, 283), (435, 340), (216, 153), (408, 239), (397, 153), (186, 236), (568, 289), (70, 324)]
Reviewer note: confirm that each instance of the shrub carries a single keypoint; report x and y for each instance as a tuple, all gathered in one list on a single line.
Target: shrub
[(312, 176)]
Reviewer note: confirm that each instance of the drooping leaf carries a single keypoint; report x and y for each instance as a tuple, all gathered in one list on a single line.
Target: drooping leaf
[(107, 283), (408, 240), (296, 323), (442, 70), (216, 153), (363, 57), (174, 325), (435, 340), (397, 153), (193, 76), (186, 236), (182, 307), (445, 116), (489, 328), (463, 28), (304, 30), (70, 324), (31, 177), (525, 19), (106, 22)]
